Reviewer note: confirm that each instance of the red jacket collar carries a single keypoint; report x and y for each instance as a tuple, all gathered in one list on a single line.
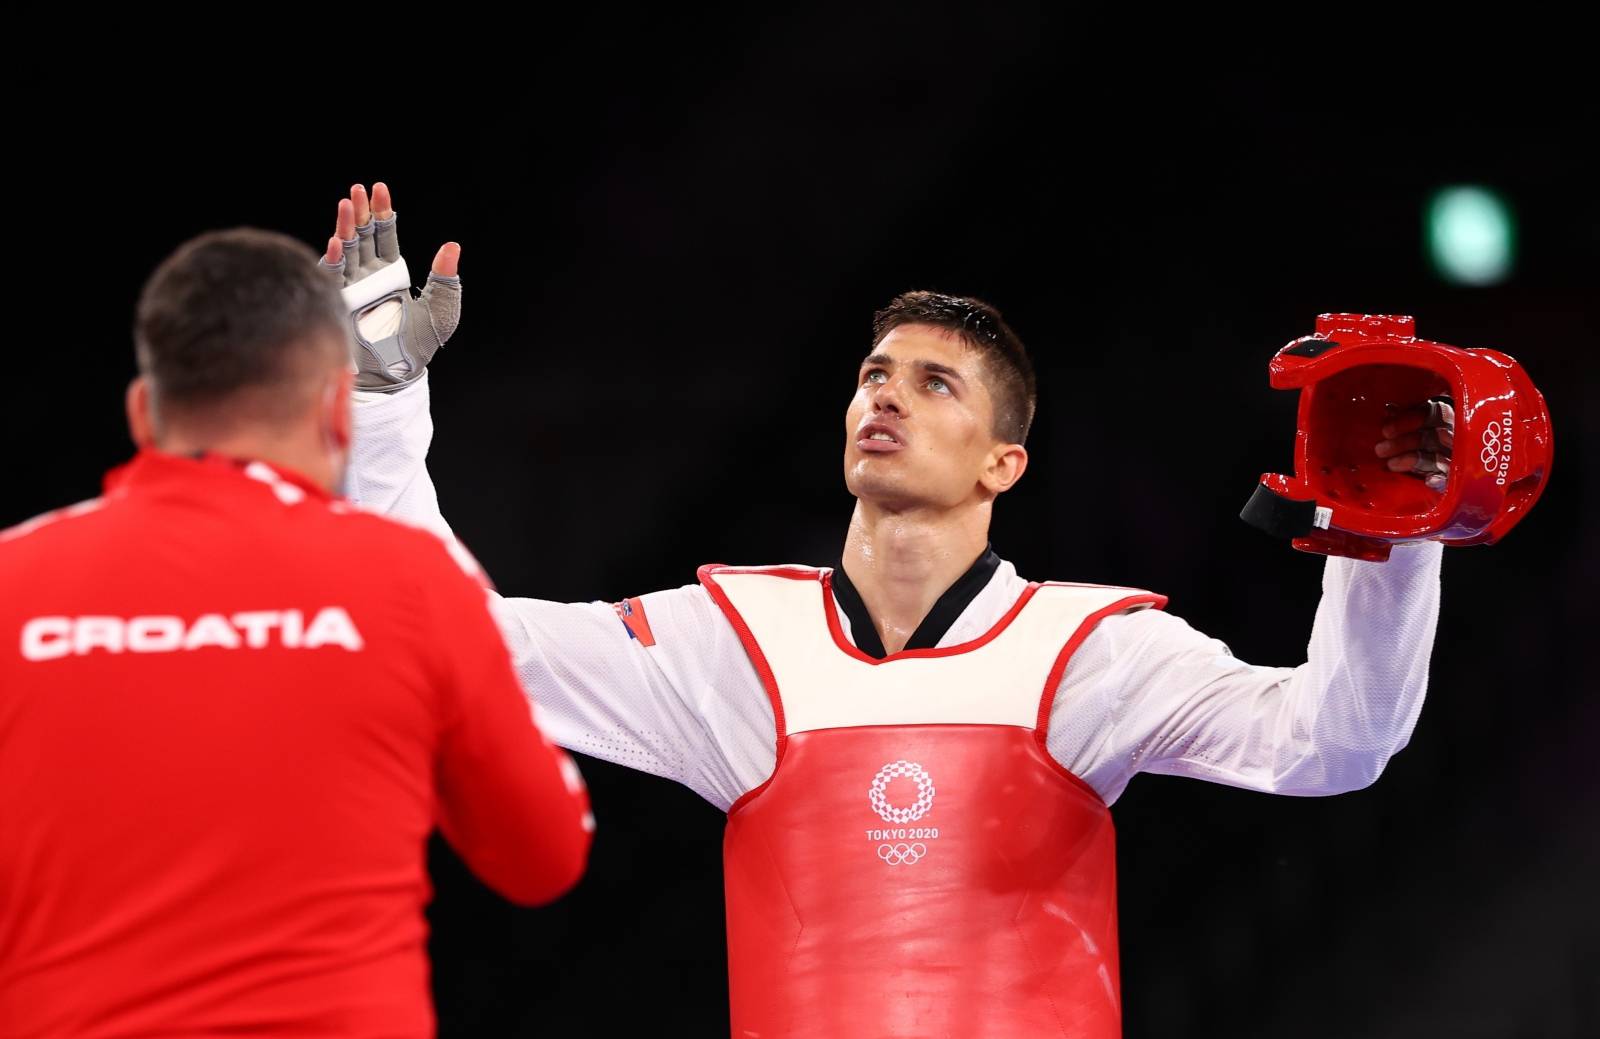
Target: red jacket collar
[(151, 468)]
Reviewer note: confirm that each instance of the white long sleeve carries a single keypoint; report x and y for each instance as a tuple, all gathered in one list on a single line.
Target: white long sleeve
[(388, 469), (1168, 699)]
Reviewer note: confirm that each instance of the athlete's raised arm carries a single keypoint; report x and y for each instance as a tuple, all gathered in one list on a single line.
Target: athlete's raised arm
[(659, 682), (1182, 704)]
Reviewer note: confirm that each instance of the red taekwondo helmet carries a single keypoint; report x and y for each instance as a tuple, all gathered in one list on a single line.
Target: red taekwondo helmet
[(1353, 375)]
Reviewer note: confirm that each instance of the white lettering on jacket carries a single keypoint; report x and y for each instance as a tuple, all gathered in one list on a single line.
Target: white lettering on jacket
[(50, 638)]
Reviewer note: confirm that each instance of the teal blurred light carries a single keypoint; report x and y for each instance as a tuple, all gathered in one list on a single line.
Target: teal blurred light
[(1471, 235)]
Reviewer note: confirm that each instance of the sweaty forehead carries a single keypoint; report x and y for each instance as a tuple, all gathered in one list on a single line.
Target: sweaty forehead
[(911, 343)]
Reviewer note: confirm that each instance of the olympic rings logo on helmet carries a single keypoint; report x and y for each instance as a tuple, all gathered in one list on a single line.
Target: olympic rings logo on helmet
[(880, 783), (898, 854), (1491, 447)]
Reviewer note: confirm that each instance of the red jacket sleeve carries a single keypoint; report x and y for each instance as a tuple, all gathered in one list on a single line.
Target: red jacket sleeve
[(511, 803)]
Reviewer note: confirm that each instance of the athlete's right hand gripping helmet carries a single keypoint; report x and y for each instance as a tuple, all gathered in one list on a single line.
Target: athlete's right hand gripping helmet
[(1353, 374)]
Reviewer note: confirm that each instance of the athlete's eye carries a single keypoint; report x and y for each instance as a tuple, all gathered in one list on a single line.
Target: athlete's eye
[(938, 385), (877, 375)]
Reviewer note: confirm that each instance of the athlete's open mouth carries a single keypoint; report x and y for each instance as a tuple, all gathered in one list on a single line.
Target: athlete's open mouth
[(878, 437)]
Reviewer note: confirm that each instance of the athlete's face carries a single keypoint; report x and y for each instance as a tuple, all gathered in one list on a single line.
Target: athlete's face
[(919, 432)]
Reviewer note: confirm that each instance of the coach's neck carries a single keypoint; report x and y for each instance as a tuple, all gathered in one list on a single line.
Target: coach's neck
[(312, 442)]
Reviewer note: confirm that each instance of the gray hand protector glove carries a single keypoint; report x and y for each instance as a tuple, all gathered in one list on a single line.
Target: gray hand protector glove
[(396, 334)]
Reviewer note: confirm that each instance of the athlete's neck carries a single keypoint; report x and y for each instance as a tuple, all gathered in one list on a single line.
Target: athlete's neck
[(902, 561)]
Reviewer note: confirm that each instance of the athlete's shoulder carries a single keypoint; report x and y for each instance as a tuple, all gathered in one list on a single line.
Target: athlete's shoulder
[(710, 572), (1088, 585), (1104, 598)]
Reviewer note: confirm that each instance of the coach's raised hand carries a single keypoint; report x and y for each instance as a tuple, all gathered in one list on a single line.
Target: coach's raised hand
[(396, 333)]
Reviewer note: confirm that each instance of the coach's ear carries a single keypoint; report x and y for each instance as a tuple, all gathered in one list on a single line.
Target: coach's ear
[(337, 419), (141, 418)]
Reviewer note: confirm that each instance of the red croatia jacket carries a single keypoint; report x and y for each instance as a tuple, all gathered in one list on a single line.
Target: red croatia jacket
[(231, 710)]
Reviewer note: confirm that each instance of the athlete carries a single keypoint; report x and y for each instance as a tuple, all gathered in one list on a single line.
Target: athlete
[(224, 734), (917, 747)]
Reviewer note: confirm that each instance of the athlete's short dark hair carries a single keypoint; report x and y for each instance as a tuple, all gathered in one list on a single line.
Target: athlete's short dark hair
[(1011, 381)]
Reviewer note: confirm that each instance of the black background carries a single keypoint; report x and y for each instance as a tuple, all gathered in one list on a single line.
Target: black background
[(671, 255)]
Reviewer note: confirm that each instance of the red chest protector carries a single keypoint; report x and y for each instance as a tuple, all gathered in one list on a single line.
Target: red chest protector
[(917, 864)]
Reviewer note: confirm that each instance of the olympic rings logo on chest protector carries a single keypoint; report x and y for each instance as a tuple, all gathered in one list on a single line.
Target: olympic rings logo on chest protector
[(898, 854), (879, 800)]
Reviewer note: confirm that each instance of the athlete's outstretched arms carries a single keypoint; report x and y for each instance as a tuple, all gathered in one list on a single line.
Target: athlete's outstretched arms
[(1182, 704), (669, 690)]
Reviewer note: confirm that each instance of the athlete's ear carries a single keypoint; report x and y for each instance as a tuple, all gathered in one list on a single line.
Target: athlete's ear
[(1005, 466), (141, 414)]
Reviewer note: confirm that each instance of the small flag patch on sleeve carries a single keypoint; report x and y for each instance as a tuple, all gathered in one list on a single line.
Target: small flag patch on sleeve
[(631, 612)]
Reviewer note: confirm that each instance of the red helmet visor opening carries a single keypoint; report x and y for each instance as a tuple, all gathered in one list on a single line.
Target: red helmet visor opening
[(1343, 416)]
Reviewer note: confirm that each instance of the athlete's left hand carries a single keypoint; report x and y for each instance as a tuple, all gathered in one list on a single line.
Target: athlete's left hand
[(1418, 440)]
